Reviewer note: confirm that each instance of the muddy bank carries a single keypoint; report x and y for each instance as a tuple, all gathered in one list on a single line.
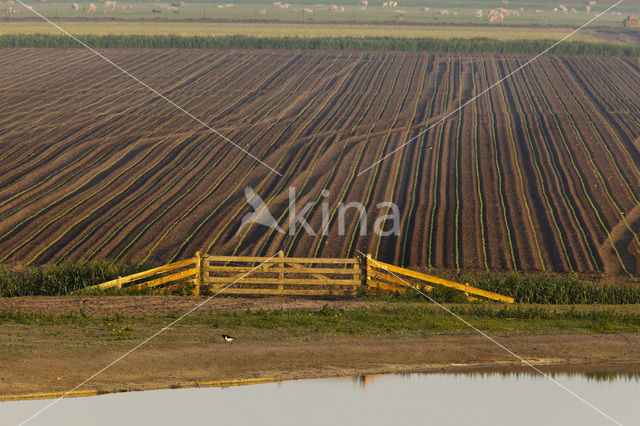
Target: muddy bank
[(181, 357)]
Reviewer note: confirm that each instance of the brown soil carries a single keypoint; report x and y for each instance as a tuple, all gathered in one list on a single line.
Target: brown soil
[(141, 306), (178, 358), (541, 173)]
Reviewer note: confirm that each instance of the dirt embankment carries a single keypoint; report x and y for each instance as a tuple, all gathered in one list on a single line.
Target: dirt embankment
[(178, 359), (56, 357)]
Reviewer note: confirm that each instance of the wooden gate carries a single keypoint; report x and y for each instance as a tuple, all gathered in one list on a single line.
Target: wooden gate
[(282, 275), (290, 276)]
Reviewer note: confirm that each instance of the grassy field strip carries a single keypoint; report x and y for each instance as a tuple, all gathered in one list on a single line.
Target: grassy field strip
[(399, 318), (293, 30)]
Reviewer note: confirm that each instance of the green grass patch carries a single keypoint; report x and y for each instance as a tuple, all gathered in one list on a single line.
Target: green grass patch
[(417, 44), (558, 289), (61, 279), (407, 318)]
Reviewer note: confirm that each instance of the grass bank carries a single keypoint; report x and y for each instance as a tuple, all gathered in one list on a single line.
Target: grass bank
[(418, 44), (385, 318)]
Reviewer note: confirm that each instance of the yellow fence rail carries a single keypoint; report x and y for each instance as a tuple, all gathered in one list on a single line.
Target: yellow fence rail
[(174, 274), (282, 275), (388, 277)]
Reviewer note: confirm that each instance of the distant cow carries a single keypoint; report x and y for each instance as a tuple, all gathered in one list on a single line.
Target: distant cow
[(156, 11)]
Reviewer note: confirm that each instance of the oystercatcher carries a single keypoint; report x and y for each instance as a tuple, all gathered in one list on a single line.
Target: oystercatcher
[(226, 337)]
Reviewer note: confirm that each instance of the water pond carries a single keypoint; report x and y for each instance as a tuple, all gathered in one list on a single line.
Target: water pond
[(465, 397)]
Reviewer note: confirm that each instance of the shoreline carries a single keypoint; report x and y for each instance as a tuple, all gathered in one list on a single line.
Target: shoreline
[(553, 368), (184, 357)]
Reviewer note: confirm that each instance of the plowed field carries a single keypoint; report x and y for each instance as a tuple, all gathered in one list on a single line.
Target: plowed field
[(542, 173)]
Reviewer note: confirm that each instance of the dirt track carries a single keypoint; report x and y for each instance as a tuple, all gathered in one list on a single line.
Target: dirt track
[(141, 306)]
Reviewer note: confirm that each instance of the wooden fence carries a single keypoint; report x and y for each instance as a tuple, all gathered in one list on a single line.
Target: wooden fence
[(384, 276), (282, 275), (299, 276), (171, 276)]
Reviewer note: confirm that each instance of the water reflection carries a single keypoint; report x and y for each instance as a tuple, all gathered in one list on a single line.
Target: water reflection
[(492, 396), (626, 371)]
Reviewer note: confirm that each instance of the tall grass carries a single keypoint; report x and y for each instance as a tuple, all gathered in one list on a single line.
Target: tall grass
[(62, 279), (477, 45), (557, 289)]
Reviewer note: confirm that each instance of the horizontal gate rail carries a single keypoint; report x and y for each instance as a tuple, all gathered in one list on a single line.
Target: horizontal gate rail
[(282, 275)]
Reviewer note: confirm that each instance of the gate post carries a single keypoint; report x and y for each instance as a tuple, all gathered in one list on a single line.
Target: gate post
[(198, 280), (281, 274)]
